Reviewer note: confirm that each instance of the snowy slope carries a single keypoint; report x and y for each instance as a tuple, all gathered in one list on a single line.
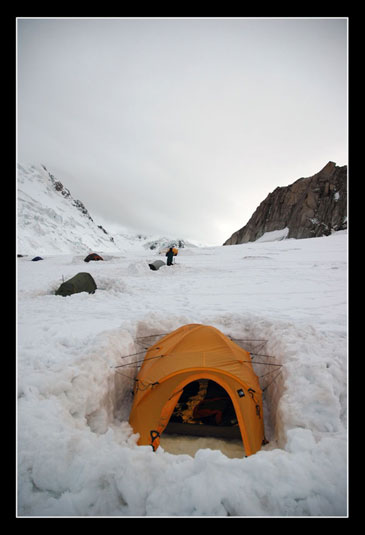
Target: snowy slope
[(51, 221), (77, 455)]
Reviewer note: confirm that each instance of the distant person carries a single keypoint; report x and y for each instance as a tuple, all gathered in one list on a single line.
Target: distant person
[(170, 256)]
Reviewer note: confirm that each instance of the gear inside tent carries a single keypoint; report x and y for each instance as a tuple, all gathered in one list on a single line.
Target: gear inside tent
[(205, 410), (196, 380)]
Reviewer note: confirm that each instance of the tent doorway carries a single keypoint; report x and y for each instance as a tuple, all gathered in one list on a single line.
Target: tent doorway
[(204, 409)]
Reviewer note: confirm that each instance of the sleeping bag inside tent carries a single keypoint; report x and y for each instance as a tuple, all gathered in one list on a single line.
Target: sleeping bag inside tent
[(82, 282), (196, 377)]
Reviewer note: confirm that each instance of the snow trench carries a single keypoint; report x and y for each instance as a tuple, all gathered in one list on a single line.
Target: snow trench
[(114, 401), (90, 465), (278, 351)]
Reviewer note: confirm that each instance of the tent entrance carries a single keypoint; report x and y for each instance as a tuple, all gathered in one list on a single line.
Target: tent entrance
[(204, 409)]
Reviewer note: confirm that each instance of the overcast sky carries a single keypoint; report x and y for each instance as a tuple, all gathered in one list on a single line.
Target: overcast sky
[(181, 127)]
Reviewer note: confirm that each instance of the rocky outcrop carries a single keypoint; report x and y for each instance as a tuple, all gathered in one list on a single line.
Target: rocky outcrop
[(58, 186), (310, 207)]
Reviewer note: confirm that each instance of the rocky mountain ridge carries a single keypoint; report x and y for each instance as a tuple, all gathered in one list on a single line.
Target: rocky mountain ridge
[(310, 207)]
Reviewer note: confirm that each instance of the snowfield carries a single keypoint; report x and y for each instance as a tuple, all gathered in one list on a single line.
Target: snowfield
[(77, 454)]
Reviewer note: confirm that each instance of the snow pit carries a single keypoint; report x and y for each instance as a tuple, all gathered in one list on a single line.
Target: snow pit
[(115, 402)]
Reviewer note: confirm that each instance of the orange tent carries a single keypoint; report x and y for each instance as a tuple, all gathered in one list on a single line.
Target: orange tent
[(188, 354)]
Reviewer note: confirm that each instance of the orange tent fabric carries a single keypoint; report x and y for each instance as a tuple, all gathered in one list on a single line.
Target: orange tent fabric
[(190, 353)]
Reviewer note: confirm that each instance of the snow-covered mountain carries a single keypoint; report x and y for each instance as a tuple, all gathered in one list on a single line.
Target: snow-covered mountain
[(52, 221)]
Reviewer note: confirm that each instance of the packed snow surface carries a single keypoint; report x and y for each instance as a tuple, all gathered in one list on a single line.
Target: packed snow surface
[(77, 454)]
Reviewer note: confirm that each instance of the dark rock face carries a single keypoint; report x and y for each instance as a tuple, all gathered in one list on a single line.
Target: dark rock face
[(310, 207)]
